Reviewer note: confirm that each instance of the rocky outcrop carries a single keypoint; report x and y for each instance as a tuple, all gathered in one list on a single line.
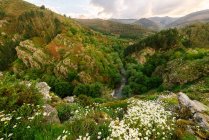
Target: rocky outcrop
[(143, 55), (69, 99), (195, 110), (44, 89), (51, 114), (32, 56), (179, 71)]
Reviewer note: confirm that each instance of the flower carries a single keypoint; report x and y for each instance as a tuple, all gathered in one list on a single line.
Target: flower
[(18, 118), (142, 120), (10, 134), (28, 127)]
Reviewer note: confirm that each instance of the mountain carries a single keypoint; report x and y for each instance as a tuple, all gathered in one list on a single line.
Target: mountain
[(124, 21), (37, 43), (163, 21), (146, 23), (115, 28), (200, 16), (60, 79)]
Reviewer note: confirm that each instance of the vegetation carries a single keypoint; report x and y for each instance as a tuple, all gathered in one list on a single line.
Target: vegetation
[(108, 27), (97, 85)]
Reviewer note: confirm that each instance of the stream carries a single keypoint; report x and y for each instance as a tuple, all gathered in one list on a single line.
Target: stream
[(117, 93)]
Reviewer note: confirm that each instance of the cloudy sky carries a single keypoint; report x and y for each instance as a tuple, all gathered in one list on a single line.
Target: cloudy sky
[(123, 8)]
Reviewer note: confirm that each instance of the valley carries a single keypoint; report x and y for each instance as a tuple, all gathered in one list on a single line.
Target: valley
[(63, 78)]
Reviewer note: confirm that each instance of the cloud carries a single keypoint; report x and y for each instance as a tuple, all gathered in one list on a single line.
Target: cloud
[(147, 8)]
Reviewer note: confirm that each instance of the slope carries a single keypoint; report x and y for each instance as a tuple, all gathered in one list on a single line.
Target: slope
[(196, 17), (56, 49), (115, 28)]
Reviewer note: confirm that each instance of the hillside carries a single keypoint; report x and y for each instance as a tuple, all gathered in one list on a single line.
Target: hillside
[(196, 17), (163, 21), (146, 23), (124, 21), (177, 58), (116, 28), (65, 80), (50, 46)]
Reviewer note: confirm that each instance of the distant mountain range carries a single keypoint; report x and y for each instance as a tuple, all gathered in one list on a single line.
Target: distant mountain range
[(122, 28), (158, 23), (200, 16)]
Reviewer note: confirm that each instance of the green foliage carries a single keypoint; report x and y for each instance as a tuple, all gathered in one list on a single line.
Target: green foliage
[(42, 7), (67, 111), (35, 24), (92, 90), (163, 40), (63, 89), (7, 53), (2, 13), (108, 27), (85, 100), (140, 78), (14, 94)]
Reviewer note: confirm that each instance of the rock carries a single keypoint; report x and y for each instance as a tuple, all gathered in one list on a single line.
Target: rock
[(69, 99), (51, 114), (194, 106), (202, 119), (44, 89), (196, 110), (32, 56)]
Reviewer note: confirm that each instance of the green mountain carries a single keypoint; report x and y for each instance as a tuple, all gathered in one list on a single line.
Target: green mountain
[(196, 17), (146, 23), (60, 79), (111, 27), (174, 58), (45, 45)]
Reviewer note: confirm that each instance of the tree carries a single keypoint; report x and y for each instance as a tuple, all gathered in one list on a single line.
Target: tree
[(63, 89), (42, 7)]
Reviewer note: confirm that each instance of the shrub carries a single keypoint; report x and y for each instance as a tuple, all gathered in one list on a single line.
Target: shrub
[(2, 14), (14, 94), (42, 7), (67, 111), (85, 100), (63, 89), (93, 90)]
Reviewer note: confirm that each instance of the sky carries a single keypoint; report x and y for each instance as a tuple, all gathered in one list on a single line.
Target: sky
[(126, 9)]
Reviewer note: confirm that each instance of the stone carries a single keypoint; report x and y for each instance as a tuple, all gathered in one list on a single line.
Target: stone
[(44, 89), (69, 99), (196, 109), (51, 114), (194, 106), (202, 119)]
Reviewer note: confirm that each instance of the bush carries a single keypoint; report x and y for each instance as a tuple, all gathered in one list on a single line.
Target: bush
[(127, 91), (67, 111), (42, 7), (63, 89), (2, 14), (92, 90), (85, 100), (13, 93), (72, 75)]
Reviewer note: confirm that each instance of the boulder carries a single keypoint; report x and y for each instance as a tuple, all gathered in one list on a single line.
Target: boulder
[(51, 114), (202, 119), (193, 105), (69, 99), (196, 109), (44, 89)]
